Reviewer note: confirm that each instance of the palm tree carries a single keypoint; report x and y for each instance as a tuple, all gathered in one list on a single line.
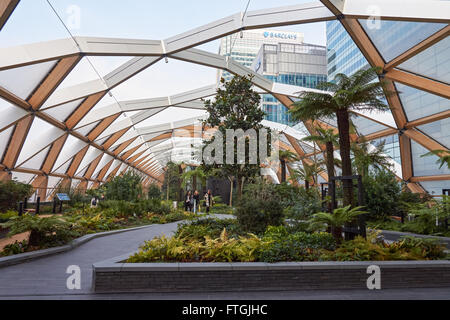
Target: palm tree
[(444, 157), (328, 138), (355, 93), (286, 156), (365, 156), (193, 175), (307, 173), (336, 220)]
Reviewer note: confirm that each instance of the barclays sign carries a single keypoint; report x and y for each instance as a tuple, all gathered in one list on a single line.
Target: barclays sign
[(280, 35)]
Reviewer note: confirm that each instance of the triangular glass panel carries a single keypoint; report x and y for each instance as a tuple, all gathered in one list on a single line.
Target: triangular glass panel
[(41, 135), (71, 147), (435, 188), (63, 111), (365, 126), (23, 177), (433, 63), (5, 136), (63, 168), (392, 38), (438, 130), (419, 104), (36, 161), (10, 113), (86, 129), (91, 154), (425, 166), (24, 80)]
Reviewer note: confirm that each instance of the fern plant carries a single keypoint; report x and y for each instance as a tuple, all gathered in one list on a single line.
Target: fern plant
[(336, 220)]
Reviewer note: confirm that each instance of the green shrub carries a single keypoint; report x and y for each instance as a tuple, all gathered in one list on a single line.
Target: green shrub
[(298, 203), (154, 192), (15, 248), (221, 209), (373, 249), (201, 228), (45, 232), (259, 208), (127, 187), (221, 249), (299, 246), (13, 192), (382, 194), (256, 215), (5, 217)]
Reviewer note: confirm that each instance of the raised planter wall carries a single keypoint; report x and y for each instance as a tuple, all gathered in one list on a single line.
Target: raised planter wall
[(115, 276)]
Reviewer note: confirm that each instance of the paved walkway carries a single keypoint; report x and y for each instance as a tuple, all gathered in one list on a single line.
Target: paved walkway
[(45, 278)]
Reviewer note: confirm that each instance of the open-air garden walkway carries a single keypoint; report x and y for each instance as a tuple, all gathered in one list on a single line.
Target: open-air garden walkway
[(45, 278)]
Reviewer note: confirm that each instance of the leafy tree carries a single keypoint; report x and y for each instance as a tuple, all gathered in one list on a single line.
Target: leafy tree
[(366, 156), (172, 182), (345, 95), (382, 194), (12, 192), (444, 157), (286, 156), (154, 191), (236, 107), (127, 187)]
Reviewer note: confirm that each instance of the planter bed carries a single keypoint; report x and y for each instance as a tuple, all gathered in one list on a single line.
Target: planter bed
[(115, 276), (396, 235)]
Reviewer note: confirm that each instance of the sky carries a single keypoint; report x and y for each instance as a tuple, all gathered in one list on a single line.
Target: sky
[(35, 21)]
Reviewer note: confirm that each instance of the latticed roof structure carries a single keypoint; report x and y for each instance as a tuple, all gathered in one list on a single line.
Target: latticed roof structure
[(54, 135)]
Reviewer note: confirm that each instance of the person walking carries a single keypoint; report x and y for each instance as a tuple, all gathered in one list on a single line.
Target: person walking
[(209, 201), (94, 202), (196, 199), (187, 201)]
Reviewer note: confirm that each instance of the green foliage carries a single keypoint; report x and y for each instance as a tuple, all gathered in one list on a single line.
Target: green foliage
[(366, 157), (172, 182), (154, 192), (5, 217), (421, 218), (45, 232), (222, 209), (127, 187), (235, 107), (443, 157), (338, 218), (346, 94), (382, 194), (221, 249), (14, 248), (298, 203), (298, 246), (205, 241), (12, 192), (209, 227), (373, 249)]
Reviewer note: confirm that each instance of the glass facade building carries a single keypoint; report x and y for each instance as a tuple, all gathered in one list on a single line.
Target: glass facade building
[(302, 65), (392, 38), (244, 47)]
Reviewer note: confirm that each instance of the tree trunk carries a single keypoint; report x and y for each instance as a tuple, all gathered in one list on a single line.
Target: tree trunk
[(337, 234), (307, 184), (283, 170), (194, 183), (231, 191), (344, 143), (331, 173), (240, 186), (34, 239)]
